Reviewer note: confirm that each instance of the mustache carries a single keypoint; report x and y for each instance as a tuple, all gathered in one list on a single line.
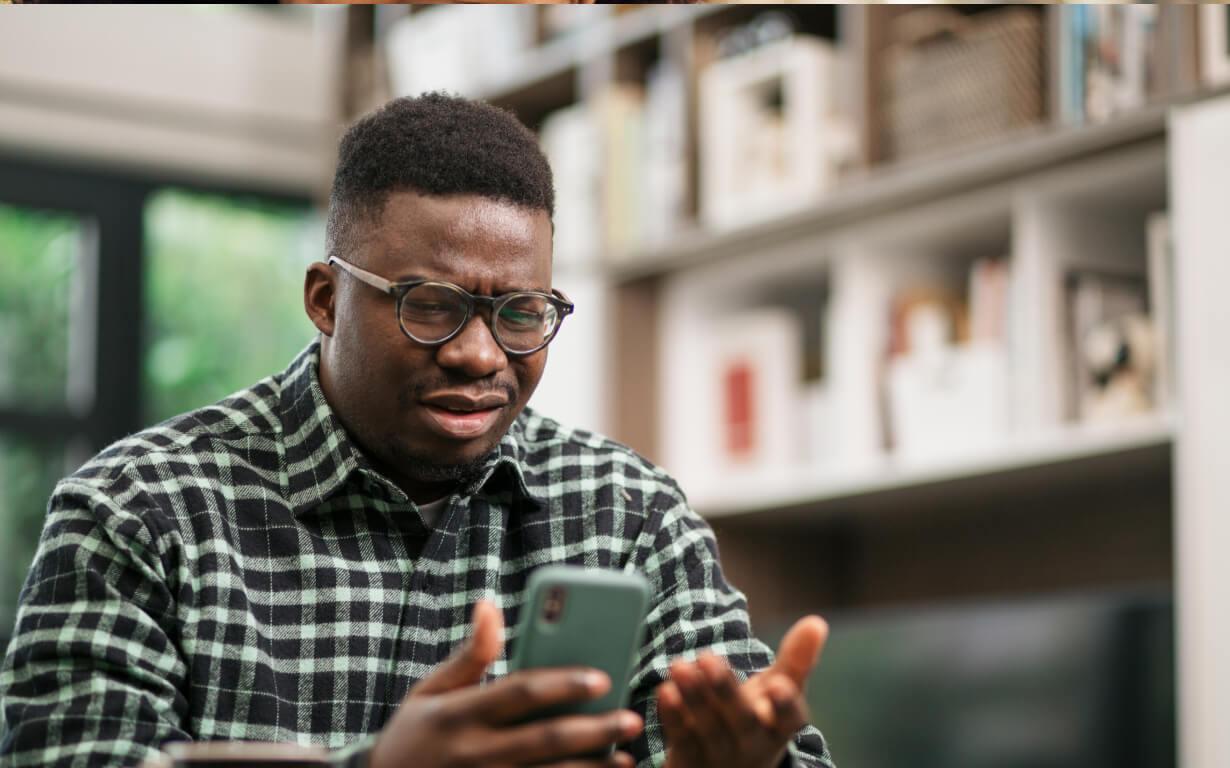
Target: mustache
[(414, 393)]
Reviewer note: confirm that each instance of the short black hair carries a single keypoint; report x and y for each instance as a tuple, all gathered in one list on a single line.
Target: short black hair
[(433, 144)]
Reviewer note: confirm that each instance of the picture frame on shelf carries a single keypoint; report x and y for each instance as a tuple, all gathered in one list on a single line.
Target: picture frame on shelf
[(771, 138), (1215, 44)]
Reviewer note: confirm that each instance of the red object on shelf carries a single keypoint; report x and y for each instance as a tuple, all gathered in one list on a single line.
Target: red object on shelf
[(738, 387)]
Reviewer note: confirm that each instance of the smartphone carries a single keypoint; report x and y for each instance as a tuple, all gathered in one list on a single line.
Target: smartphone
[(584, 617)]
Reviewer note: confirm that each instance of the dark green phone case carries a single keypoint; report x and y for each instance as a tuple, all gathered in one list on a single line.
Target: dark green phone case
[(600, 625)]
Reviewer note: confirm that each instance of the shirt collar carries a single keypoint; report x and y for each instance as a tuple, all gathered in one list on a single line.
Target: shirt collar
[(321, 457)]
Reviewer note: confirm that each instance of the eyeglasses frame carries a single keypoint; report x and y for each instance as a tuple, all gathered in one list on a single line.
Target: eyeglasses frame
[(398, 291)]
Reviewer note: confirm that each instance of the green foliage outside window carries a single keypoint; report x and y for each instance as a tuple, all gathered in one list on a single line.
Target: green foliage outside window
[(28, 473), (224, 295), (38, 253)]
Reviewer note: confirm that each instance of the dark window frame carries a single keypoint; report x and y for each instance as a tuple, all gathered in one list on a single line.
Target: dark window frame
[(114, 199)]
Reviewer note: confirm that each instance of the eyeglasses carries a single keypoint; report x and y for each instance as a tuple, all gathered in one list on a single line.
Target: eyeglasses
[(432, 311)]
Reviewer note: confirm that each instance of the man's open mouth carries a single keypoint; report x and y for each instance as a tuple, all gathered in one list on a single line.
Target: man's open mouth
[(461, 416)]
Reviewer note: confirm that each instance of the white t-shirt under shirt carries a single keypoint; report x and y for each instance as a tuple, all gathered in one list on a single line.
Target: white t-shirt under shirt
[(431, 511)]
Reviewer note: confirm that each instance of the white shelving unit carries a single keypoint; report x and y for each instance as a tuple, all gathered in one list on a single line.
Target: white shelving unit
[(1047, 198), (1199, 168)]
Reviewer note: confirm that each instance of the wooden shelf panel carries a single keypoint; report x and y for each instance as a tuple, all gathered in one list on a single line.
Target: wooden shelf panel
[(1073, 457)]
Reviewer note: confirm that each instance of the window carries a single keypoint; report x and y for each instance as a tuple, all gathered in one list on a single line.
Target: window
[(43, 299), (91, 264), (224, 295), (46, 374)]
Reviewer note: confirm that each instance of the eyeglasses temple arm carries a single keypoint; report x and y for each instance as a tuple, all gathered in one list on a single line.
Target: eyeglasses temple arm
[(561, 295), (375, 281)]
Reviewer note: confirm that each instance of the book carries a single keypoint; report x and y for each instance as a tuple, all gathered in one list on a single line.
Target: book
[(1122, 70), (1112, 60), (988, 300), (1215, 44), (757, 373), (620, 110), (665, 176), (568, 137), (1161, 306)]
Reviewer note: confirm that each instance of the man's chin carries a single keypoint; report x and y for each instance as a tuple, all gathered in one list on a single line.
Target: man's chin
[(440, 467)]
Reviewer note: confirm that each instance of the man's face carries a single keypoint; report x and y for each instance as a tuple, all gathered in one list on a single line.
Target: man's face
[(399, 398)]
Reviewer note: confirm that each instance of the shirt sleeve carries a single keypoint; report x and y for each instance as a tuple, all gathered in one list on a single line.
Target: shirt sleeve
[(91, 675), (694, 609), (94, 675)]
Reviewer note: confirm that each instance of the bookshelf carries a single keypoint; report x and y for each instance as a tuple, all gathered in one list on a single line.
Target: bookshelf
[(867, 522)]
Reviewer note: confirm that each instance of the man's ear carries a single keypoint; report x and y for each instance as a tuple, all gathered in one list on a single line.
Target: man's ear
[(319, 295)]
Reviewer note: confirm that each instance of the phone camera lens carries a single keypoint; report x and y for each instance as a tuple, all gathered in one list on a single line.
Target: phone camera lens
[(553, 605)]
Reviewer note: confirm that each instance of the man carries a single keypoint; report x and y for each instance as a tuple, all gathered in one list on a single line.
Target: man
[(331, 556)]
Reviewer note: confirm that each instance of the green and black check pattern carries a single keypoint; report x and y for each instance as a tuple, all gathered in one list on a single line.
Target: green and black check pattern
[(241, 572)]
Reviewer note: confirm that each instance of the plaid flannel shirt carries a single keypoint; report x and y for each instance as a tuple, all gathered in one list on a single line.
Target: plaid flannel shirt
[(242, 572)]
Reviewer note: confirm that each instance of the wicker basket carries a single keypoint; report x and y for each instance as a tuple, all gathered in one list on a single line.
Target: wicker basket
[(951, 80)]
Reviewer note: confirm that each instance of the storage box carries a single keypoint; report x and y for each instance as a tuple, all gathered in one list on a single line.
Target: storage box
[(951, 80)]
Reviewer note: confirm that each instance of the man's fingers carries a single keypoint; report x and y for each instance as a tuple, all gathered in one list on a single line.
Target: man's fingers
[(735, 708), (466, 665), (488, 638), (523, 694), (801, 648), (548, 741), (789, 710), (671, 699), (703, 707), (681, 738)]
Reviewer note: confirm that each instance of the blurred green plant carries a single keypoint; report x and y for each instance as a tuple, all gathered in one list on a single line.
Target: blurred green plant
[(224, 295), (38, 253), (28, 473)]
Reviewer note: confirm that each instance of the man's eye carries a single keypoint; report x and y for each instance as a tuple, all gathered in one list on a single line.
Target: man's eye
[(427, 307), (521, 318)]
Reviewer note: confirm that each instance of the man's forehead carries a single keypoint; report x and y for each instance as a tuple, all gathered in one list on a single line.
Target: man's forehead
[(439, 235), (463, 217)]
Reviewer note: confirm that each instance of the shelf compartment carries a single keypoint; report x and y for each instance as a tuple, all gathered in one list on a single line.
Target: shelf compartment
[(1068, 456)]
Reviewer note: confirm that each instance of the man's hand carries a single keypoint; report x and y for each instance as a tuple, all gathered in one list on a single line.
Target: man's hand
[(712, 720), (448, 720)]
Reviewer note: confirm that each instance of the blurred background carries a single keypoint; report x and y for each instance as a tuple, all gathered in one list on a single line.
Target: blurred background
[(892, 290)]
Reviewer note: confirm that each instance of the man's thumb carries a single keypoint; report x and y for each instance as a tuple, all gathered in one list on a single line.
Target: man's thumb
[(801, 648), (466, 665)]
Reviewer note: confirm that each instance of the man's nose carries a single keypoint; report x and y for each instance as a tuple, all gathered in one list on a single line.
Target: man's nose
[(473, 350)]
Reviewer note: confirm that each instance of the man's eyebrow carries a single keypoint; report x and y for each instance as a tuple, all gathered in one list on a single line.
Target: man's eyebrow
[(412, 277), (409, 278)]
